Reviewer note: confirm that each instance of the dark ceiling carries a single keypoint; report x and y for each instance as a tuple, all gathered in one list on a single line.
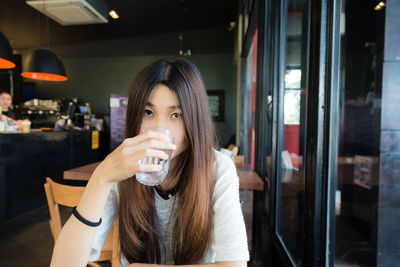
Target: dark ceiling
[(25, 27)]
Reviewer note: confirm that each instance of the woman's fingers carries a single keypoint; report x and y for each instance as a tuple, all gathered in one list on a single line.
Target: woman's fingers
[(145, 145), (145, 136), (146, 160), (136, 155), (146, 148), (148, 167)]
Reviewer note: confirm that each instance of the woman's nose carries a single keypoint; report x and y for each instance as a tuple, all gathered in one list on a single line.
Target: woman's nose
[(161, 122)]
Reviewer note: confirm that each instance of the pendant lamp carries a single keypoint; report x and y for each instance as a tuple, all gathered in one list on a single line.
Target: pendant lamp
[(6, 56), (44, 64)]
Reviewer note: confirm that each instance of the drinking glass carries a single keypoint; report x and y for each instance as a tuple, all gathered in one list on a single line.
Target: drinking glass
[(156, 178)]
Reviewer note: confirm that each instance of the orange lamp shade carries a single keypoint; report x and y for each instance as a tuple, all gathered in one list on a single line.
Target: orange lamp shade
[(6, 64), (6, 56), (44, 64), (44, 76)]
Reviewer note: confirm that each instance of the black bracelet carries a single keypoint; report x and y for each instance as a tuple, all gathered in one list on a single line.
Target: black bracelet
[(83, 220)]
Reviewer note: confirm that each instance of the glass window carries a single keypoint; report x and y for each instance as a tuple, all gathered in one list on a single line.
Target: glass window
[(291, 201), (248, 105), (361, 56), (292, 96)]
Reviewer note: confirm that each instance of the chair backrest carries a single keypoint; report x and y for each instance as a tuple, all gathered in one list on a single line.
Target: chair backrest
[(66, 195), (234, 149)]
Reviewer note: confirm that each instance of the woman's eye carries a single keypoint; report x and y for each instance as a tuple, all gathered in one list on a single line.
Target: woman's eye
[(148, 112), (176, 115)]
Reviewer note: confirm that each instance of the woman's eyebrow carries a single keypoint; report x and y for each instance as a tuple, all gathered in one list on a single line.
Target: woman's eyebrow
[(175, 107), (171, 107)]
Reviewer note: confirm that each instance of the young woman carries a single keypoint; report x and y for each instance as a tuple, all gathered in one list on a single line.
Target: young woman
[(194, 216)]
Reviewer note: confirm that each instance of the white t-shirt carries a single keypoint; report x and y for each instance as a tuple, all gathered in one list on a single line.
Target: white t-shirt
[(229, 240)]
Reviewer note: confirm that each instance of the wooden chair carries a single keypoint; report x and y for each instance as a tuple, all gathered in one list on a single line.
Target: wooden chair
[(65, 195), (234, 149)]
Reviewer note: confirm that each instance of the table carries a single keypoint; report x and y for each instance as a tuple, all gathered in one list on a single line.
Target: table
[(82, 173), (248, 179)]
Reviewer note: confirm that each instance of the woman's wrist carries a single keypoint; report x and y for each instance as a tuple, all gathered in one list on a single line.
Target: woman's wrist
[(101, 176), (93, 199)]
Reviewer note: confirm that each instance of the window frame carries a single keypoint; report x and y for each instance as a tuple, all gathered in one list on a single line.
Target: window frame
[(321, 81)]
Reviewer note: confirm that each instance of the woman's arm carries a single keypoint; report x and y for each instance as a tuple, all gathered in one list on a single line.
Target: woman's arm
[(75, 241), (217, 264)]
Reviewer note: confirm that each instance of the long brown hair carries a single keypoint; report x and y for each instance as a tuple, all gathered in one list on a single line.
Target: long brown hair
[(139, 236)]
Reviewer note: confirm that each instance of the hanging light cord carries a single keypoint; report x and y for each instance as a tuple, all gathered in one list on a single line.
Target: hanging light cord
[(47, 32)]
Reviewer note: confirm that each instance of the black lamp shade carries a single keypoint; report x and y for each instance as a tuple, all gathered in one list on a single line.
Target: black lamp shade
[(6, 56), (44, 64)]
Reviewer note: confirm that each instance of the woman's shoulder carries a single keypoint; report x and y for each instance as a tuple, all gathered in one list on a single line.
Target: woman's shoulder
[(225, 168), (222, 160)]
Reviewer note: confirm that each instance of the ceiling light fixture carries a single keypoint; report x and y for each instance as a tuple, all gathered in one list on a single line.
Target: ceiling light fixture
[(43, 64), (379, 6), (113, 14), (6, 55)]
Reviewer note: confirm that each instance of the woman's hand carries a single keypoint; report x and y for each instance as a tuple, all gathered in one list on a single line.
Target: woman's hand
[(122, 163)]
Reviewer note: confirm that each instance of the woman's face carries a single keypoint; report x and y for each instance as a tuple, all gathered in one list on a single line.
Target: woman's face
[(164, 110), (5, 101)]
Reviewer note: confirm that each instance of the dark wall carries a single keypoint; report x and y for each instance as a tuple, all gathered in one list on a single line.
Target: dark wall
[(15, 82)]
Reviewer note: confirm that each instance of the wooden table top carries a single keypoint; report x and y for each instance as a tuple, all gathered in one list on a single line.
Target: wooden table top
[(248, 179), (82, 173)]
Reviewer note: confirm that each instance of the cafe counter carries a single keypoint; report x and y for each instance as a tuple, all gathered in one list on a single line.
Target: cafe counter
[(26, 159)]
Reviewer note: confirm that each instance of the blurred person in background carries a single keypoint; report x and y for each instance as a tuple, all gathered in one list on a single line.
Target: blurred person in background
[(5, 103)]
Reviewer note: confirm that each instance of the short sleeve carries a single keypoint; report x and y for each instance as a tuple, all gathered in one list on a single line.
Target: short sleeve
[(230, 239), (108, 218)]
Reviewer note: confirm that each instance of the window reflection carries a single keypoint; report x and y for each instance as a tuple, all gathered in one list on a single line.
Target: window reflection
[(291, 205), (359, 137), (293, 78), (292, 107)]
